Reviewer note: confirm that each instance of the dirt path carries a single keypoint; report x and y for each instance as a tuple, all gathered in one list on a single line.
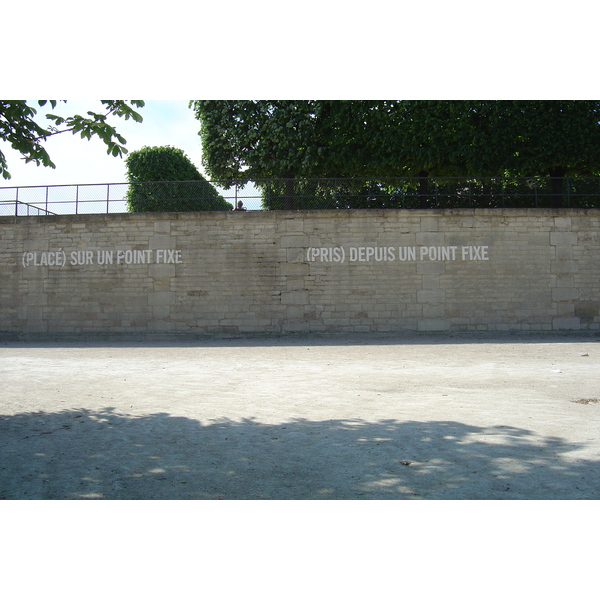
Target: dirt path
[(362, 417)]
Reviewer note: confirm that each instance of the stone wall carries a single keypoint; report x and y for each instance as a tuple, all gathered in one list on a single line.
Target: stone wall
[(307, 271)]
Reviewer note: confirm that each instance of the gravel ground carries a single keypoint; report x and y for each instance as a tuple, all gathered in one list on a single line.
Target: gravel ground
[(348, 417)]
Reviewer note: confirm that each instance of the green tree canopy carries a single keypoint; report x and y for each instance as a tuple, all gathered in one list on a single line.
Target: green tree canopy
[(555, 138), (164, 179), (20, 126), (279, 139), (375, 139), (259, 140), (545, 139)]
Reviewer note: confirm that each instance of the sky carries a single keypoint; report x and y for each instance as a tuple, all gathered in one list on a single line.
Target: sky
[(166, 122)]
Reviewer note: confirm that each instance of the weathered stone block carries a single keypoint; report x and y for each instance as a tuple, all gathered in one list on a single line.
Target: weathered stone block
[(295, 297), (431, 296), (433, 325), (564, 294), (572, 323), (563, 239), (431, 239), (161, 298)]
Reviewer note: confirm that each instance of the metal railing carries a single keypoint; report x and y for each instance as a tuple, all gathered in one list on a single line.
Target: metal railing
[(303, 194), (63, 199), (21, 209)]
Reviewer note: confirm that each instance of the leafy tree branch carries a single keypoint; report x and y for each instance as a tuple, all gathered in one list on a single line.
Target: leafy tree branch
[(20, 127)]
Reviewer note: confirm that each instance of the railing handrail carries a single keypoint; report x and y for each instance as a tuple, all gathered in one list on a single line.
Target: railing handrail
[(18, 203), (328, 192)]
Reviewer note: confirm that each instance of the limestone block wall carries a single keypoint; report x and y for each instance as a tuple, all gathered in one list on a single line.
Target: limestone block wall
[(307, 271)]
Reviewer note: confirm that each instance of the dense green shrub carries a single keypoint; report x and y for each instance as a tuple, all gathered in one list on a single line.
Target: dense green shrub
[(163, 179)]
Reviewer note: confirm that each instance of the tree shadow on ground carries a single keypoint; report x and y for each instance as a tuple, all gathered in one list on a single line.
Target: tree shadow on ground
[(84, 454)]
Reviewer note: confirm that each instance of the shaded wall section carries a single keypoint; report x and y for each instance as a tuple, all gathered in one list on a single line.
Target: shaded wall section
[(302, 271)]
